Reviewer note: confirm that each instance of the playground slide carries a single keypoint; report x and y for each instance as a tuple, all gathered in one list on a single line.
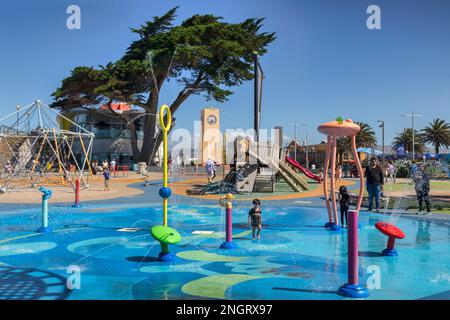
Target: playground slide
[(305, 171), (285, 170), (290, 176)]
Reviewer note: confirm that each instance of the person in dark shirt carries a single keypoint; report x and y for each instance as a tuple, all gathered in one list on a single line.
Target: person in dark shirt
[(374, 183), (254, 218), (422, 186), (344, 202)]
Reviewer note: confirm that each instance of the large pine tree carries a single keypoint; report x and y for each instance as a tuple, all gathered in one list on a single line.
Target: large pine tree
[(205, 55)]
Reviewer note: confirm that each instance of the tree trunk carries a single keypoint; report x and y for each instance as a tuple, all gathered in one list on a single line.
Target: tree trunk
[(148, 140), (152, 140), (436, 148), (137, 155)]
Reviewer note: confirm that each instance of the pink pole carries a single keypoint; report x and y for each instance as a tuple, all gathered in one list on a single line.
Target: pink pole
[(325, 179), (77, 191), (360, 172), (352, 288), (229, 231), (333, 185), (77, 194), (353, 247)]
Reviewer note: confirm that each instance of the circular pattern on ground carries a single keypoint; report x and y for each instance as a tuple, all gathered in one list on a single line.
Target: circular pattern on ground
[(31, 284)]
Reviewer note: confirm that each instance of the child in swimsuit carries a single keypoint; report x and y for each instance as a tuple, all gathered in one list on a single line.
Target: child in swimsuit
[(344, 201), (254, 218)]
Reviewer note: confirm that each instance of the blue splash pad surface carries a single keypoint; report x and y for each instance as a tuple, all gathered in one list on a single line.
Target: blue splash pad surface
[(296, 257)]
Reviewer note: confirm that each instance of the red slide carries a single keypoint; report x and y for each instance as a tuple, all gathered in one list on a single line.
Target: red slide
[(305, 171)]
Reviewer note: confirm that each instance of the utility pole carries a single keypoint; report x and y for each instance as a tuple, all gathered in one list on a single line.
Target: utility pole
[(295, 124), (256, 98), (306, 154), (412, 115), (382, 140)]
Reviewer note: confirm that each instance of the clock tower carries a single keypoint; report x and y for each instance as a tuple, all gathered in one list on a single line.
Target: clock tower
[(210, 136)]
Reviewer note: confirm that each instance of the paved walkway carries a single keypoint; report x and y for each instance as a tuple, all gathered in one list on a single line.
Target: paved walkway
[(120, 187)]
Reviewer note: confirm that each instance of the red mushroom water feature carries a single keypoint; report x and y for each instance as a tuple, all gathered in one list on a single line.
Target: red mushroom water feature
[(393, 233)]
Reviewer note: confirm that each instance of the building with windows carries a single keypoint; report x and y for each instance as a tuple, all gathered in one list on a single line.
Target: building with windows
[(112, 136)]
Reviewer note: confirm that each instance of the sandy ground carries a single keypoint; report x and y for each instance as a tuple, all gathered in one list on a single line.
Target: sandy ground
[(119, 188)]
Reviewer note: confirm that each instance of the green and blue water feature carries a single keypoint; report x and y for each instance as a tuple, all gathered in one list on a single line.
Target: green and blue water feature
[(165, 235)]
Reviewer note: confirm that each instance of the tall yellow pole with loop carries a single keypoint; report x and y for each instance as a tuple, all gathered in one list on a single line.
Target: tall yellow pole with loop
[(164, 234), (165, 127)]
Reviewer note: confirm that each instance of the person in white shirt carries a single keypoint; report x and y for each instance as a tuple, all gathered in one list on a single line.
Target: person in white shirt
[(113, 165), (104, 164), (210, 170)]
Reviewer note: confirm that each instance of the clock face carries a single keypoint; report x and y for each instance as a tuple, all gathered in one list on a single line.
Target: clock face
[(212, 119)]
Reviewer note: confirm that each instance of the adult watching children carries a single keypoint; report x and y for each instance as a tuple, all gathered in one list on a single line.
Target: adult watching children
[(374, 183)]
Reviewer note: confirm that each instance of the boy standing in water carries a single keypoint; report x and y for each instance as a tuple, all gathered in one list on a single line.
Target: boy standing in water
[(255, 218), (106, 174)]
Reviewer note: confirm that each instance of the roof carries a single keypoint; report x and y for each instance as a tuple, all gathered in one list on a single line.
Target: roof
[(117, 106)]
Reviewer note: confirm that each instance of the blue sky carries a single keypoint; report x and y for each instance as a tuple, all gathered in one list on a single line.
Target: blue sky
[(325, 62)]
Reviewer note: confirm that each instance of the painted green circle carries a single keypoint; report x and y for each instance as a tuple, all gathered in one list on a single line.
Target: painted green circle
[(165, 234)]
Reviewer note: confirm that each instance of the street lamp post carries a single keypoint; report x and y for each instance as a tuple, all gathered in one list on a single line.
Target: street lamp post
[(412, 115), (382, 140)]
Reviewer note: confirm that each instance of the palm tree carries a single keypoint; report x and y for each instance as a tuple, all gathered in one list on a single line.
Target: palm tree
[(366, 136), (437, 133), (405, 139), (364, 139)]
